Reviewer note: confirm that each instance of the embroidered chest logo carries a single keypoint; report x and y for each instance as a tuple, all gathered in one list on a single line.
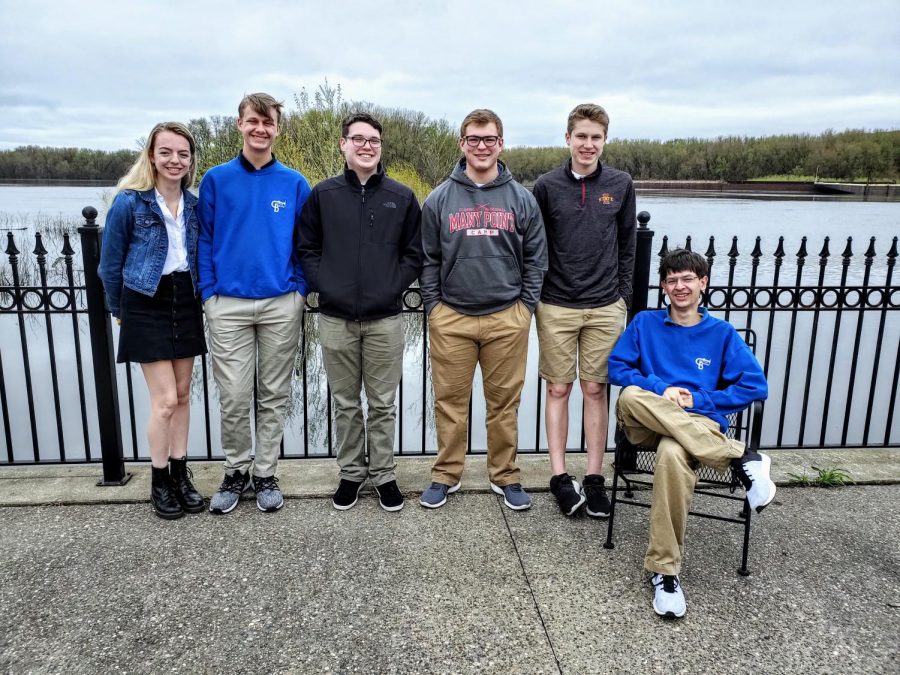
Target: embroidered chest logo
[(701, 362), (389, 205), (607, 198), (277, 205)]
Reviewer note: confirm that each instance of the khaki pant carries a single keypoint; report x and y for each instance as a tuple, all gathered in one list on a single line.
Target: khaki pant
[(499, 343), (370, 354), (681, 439), (248, 336)]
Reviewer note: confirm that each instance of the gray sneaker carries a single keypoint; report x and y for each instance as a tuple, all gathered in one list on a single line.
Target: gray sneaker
[(229, 493), (436, 495), (514, 496), (268, 496)]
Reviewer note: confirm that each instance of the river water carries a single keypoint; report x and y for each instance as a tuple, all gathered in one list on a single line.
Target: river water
[(57, 209)]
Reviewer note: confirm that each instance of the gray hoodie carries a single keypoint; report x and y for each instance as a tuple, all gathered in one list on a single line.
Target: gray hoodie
[(485, 247)]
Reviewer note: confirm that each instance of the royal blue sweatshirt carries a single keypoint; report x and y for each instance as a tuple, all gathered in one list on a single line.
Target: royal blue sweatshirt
[(247, 217), (709, 359)]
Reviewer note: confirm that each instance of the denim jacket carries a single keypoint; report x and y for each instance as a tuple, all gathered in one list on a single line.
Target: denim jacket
[(135, 244)]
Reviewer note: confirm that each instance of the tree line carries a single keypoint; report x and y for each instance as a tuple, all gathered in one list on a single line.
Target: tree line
[(421, 151), (38, 163), (846, 155)]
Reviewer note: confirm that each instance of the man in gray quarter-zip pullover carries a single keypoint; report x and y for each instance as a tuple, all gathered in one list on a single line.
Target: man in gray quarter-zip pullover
[(485, 258), (588, 212)]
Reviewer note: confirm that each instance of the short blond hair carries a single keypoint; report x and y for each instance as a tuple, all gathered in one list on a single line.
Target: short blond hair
[(261, 103), (588, 111)]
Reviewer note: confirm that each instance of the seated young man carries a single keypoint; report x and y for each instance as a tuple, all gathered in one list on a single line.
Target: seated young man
[(682, 372)]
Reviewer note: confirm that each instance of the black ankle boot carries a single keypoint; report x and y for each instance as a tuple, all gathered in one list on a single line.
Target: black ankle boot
[(162, 495), (185, 492)]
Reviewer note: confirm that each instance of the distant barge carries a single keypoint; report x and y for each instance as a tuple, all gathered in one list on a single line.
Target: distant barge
[(876, 190)]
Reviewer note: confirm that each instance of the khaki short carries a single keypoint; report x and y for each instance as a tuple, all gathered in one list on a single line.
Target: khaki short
[(588, 335)]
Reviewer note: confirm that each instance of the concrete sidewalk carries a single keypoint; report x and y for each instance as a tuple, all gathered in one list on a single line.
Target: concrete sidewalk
[(468, 588), (317, 478)]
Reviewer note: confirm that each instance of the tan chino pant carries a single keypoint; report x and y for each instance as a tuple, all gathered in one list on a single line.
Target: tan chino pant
[(248, 336), (681, 439), (499, 343)]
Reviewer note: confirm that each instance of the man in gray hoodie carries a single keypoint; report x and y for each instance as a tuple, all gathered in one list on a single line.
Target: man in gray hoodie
[(485, 258)]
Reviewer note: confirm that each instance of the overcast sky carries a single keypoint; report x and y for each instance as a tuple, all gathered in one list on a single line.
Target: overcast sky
[(100, 73)]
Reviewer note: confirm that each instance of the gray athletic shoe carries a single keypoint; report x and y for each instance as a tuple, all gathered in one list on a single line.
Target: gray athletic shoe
[(436, 495), (514, 496), (229, 493), (268, 496)]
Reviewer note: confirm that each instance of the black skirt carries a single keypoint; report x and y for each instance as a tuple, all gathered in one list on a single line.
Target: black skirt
[(167, 326)]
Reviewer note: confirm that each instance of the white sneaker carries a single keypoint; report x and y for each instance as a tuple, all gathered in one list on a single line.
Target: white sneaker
[(668, 599), (753, 470)]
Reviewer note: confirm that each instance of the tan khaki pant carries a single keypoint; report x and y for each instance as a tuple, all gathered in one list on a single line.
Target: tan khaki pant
[(248, 336), (681, 439), (499, 343), (370, 354)]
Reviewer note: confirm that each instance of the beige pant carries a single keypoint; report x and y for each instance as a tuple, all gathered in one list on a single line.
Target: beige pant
[(247, 337), (681, 439), (369, 354), (499, 343)]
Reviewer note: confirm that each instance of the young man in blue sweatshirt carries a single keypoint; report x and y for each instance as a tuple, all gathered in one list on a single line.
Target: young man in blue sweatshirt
[(361, 248), (682, 373), (253, 294)]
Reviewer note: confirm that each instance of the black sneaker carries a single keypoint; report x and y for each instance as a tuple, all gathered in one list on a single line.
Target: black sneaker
[(597, 502), (346, 495), (389, 496), (567, 492)]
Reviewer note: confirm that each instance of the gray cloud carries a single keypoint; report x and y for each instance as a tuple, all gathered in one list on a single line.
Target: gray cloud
[(100, 74)]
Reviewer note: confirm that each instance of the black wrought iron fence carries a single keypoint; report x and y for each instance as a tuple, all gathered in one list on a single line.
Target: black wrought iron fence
[(829, 340)]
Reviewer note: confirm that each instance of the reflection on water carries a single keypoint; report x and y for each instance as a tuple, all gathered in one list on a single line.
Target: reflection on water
[(672, 216)]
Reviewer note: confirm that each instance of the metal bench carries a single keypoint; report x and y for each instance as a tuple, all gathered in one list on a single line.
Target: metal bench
[(634, 466)]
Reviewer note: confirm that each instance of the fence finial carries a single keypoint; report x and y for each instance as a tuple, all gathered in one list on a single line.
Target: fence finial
[(11, 249), (643, 218), (90, 215)]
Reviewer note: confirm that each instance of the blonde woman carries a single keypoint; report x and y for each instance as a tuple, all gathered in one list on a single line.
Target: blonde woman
[(148, 266)]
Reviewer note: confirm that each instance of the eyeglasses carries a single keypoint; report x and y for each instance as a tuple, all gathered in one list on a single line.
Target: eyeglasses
[(473, 141), (360, 141), (671, 282)]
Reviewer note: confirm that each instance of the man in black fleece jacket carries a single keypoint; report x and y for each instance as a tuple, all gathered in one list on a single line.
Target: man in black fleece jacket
[(360, 246), (485, 257), (588, 211)]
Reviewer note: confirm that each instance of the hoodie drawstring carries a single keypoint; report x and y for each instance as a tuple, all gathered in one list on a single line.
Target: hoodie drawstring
[(583, 193)]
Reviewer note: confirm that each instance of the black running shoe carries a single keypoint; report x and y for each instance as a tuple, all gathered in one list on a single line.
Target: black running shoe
[(597, 502), (389, 496), (567, 492), (346, 495)]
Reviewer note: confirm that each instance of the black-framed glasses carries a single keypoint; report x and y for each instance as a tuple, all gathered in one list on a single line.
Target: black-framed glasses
[(360, 141), (489, 141)]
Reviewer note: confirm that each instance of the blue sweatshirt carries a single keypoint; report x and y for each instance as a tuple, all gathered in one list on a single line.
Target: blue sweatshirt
[(709, 359), (247, 222)]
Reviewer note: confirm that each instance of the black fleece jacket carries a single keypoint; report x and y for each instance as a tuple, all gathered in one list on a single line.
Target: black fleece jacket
[(590, 224), (360, 245)]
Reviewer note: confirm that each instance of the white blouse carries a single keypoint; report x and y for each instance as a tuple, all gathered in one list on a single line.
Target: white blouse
[(176, 255)]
